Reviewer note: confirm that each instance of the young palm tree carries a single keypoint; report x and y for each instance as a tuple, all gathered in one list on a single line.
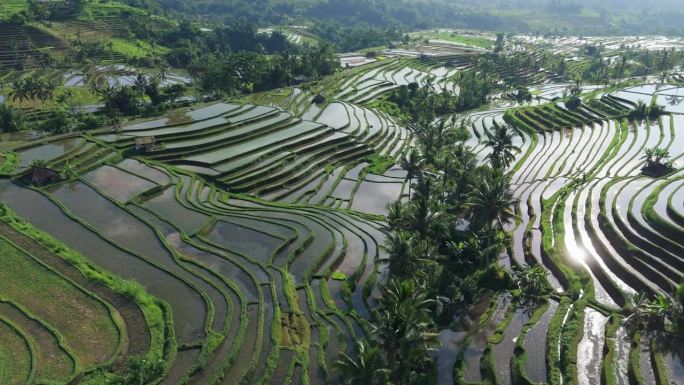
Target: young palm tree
[(162, 73), (366, 367), (38, 163), (502, 147), (68, 171), (531, 280), (10, 119), (395, 215), (64, 97), (637, 303), (412, 164)]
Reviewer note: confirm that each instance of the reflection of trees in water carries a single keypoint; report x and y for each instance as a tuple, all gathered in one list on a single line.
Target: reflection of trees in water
[(674, 100)]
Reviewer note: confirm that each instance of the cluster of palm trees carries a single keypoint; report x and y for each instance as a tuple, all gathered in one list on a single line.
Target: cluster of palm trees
[(448, 186), (128, 99), (435, 260), (642, 111), (656, 156), (28, 89), (397, 352)]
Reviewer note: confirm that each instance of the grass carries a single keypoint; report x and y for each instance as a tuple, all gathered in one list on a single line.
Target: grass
[(156, 313), (136, 49), (16, 358), (473, 41), (379, 164), (10, 7), (84, 321), (8, 162)]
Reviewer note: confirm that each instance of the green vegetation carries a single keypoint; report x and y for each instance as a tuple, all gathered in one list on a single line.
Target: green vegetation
[(8, 162), (474, 41), (211, 198), (86, 324), (379, 164)]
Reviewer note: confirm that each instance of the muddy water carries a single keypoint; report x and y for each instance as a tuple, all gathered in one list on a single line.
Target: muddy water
[(674, 361), (535, 345), (588, 242), (446, 355), (184, 360), (474, 352), (247, 348), (590, 348), (166, 206), (503, 351), (621, 360), (335, 116), (344, 189), (645, 364), (660, 206)]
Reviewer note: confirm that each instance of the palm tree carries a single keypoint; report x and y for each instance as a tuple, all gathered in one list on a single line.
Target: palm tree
[(140, 84), (366, 367), (395, 215), (412, 164), (659, 310), (10, 119), (637, 304), (65, 96), (37, 163), (404, 330), (162, 72), (107, 92), (49, 89), (492, 201), (20, 92), (502, 147), (656, 156), (398, 247), (68, 171)]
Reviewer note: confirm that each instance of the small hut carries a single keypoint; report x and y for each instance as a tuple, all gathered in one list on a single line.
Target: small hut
[(145, 143), (319, 99), (41, 176)]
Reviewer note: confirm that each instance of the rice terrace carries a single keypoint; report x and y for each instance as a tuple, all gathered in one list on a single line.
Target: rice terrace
[(224, 192)]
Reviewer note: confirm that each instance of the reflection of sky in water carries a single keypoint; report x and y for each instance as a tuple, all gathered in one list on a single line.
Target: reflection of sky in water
[(126, 77)]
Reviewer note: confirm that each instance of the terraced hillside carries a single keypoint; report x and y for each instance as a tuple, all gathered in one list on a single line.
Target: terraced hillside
[(254, 233), (34, 45), (248, 283), (601, 228)]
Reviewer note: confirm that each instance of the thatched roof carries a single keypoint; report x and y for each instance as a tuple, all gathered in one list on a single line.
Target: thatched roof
[(145, 140), (41, 176)]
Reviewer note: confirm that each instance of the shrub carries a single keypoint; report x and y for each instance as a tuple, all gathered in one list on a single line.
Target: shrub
[(339, 276)]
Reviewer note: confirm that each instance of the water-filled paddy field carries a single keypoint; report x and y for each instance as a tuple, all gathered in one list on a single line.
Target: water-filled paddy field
[(238, 220)]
